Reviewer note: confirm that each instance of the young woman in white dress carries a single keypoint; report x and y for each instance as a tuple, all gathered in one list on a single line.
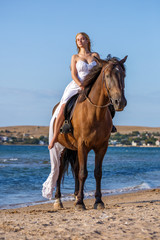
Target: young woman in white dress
[(81, 64)]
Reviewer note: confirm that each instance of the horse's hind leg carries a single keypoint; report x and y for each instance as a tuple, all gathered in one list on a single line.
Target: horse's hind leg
[(58, 204), (75, 167), (98, 175)]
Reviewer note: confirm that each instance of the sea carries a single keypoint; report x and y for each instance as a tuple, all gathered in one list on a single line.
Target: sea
[(23, 169)]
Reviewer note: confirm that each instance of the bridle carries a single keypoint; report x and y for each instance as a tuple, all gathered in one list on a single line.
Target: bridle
[(105, 84)]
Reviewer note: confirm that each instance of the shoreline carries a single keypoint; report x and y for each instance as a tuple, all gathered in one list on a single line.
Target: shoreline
[(45, 145), (68, 198), (126, 216)]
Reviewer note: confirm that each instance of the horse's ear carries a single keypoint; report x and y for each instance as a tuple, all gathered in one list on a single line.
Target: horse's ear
[(100, 61), (124, 59)]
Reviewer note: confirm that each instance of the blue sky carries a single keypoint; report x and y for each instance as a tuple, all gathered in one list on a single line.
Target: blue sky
[(37, 42)]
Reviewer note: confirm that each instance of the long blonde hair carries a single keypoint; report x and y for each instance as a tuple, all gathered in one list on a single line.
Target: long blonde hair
[(87, 37)]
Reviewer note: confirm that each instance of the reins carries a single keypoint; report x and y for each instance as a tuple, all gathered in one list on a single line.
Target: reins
[(103, 106)]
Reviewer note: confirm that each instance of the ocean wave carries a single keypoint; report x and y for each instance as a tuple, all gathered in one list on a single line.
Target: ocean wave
[(3, 160), (13, 159), (142, 186)]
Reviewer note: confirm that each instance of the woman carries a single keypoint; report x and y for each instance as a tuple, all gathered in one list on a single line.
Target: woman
[(81, 63)]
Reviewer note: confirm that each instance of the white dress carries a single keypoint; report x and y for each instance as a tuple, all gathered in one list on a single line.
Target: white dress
[(72, 88)]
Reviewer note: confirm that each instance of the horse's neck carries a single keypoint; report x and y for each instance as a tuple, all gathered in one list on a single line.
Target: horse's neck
[(97, 97)]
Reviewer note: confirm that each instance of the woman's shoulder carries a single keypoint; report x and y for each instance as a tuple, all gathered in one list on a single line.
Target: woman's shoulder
[(74, 60), (74, 57)]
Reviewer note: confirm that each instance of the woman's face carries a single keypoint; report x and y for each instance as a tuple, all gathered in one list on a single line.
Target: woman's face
[(81, 41)]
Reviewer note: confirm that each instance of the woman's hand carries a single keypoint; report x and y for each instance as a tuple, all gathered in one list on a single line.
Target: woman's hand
[(82, 87)]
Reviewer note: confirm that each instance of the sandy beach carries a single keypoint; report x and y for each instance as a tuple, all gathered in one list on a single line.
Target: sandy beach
[(127, 216)]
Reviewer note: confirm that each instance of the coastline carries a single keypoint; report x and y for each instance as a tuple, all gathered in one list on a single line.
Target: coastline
[(37, 130), (46, 145), (126, 216), (38, 135)]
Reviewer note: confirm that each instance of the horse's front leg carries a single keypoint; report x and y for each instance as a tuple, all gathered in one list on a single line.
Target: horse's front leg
[(99, 155), (82, 158)]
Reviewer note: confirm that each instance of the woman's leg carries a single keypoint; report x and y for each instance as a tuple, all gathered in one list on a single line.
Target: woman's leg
[(58, 124)]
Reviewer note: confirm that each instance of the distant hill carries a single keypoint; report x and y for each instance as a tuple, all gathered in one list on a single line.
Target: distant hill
[(17, 131), (129, 129), (37, 131)]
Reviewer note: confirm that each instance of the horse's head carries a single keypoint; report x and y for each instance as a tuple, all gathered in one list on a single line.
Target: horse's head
[(113, 72)]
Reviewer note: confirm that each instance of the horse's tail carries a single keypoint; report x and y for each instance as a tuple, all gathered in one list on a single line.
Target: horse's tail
[(69, 157)]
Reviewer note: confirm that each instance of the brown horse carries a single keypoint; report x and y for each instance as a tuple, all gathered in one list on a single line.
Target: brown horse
[(92, 124)]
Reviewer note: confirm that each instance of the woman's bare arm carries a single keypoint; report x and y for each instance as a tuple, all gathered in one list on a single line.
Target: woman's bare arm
[(74, 71)]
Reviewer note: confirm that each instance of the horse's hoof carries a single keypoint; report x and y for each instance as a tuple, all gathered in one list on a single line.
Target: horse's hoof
[(99, 205), (58, 205), (80, 207)]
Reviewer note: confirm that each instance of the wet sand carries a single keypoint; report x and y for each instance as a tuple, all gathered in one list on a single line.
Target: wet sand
[(126, 216)]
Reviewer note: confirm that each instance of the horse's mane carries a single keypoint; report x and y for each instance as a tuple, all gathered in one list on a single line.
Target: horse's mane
[(92, 76), (89, 80)]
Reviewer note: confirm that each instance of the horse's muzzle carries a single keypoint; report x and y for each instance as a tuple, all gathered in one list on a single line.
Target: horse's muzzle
[(119, 104)]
